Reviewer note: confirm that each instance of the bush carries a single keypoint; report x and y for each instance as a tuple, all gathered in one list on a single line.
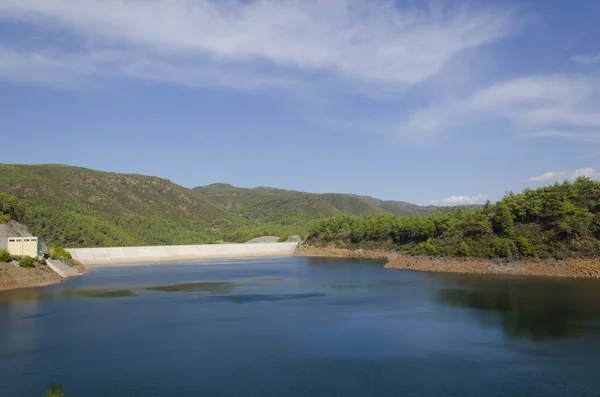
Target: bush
[(464, 249), (5, 256), (60, 253), (426, 247), (525, 247), (26, 261), (544, 255), (501, 248)]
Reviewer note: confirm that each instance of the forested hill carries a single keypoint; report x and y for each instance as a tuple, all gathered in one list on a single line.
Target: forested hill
[(74, 206), (81, 207), (294, 207), (555, 221)]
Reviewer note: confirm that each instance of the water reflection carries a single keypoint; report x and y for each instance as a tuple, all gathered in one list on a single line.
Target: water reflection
[(540, 309), (55, 292), (255, 298), (213, 287)]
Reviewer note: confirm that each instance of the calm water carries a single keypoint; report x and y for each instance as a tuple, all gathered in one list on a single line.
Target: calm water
[(300, 327)]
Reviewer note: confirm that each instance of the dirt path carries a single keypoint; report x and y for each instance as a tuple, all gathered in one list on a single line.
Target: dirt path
[(572, 268)]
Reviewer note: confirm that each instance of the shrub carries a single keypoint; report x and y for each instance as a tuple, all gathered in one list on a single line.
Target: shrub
[(430, 248), (525, 247), (26, 261), (501, 248), (544, 255), (5, 256), (464, 249), (60, 253)]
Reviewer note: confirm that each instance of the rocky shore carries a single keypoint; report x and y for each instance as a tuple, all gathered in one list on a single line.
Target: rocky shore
[(570, 267)]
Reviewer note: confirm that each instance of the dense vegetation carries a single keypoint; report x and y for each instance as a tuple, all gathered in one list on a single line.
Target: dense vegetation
[(73, 206), (289, 207), (558, 221), (9, 208)]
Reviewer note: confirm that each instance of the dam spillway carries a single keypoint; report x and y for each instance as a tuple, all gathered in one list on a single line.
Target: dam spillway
[(130, 255)]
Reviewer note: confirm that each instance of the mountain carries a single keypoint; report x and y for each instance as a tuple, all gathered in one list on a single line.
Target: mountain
[(81, 207), (290, 206), (268, 204)]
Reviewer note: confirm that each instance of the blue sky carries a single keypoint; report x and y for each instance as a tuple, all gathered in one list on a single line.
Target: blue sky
[(442, 102)]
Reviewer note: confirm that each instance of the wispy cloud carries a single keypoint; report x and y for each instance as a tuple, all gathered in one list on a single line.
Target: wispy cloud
[(553, 176), (459, 200), (563, 106), (586, 58), (210, 41)]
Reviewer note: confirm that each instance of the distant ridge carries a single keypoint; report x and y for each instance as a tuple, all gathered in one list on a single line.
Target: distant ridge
[(290, 206)]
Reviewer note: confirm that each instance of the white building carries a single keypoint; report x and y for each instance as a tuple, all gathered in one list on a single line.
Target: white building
[(24, 246)]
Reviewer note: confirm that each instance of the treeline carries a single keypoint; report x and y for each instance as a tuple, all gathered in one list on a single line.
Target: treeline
[(554, 221), (72, 228)]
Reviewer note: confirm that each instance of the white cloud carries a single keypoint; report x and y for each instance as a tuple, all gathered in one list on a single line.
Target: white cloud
[(459, 200), (563, 106), (586, 58), (210, 41), (553, 176)]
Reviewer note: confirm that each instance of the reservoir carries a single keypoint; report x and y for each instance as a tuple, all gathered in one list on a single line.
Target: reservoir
[(299, 326)]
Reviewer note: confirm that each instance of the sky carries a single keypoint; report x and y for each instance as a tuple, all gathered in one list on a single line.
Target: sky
[(431, 102)]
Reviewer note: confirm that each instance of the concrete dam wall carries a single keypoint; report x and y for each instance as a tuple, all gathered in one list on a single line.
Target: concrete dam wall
[(122, 255)]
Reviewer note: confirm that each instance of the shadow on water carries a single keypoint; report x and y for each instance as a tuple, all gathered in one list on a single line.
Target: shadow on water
[(211, 287), (208, 287), (120, 293), (529, 309), (254, 298)]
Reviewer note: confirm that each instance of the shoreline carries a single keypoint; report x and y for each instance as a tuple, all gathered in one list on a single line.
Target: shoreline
[(13, 277), (583, 268)]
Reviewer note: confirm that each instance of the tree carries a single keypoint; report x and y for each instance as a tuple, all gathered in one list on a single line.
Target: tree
[(504, 219), (501, 248), (524, 246), (464, 249)]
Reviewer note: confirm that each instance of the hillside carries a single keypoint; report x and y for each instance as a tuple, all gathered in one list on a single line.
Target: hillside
[(557, 221), (268, 204), (81, 207), (293, 207)]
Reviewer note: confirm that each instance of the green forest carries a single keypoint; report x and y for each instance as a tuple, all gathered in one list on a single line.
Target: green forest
[(78, 207), (555, 221)]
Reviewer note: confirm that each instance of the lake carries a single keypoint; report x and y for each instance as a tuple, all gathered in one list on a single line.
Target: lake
[(300, 327)]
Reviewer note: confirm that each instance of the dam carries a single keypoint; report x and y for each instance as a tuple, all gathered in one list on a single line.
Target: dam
[(134, 255)]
